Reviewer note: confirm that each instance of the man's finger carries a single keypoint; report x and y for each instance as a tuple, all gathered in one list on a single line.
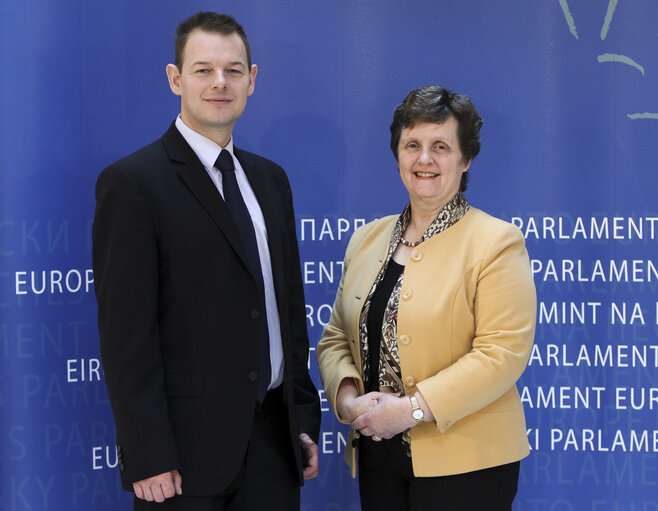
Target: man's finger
[(168, 489), (313, 467), (178, 482), (311, 456), (148, 495), (311, 471), (139, 492), (158, 493)]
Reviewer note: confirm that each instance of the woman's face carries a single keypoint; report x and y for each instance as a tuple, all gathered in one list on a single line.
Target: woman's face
[(431, 163)]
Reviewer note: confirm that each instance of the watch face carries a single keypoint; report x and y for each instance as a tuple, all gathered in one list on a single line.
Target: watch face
[(418, 414)]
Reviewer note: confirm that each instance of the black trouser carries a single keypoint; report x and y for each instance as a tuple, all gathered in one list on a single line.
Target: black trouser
[(386, 481), (267, 479)]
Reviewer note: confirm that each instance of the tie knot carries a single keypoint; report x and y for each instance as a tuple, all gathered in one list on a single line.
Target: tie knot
[(224, 161)]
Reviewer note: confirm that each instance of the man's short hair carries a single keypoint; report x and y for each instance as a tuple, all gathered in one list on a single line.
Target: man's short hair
[(211, 22)]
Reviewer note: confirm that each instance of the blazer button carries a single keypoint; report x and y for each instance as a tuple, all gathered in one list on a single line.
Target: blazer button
[(404, 339), (407, 294), (254, 313), (253, 375), (410, 381), (416, 255)]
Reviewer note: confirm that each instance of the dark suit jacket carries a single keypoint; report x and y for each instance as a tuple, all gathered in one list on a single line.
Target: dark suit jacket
[(178, 314)]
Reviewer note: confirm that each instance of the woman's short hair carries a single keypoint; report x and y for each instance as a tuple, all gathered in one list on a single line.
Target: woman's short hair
[(436, 104)]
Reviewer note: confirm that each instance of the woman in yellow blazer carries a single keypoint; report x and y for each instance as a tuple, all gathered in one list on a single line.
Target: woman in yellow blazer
[(432, 326)]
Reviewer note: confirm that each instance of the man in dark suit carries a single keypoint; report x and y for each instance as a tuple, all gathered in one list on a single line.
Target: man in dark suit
[(201, 306)]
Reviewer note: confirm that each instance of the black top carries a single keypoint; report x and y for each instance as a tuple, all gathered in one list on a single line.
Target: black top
[(375, 319)]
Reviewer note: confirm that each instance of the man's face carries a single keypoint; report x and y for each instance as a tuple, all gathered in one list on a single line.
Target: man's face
[(213, 84)]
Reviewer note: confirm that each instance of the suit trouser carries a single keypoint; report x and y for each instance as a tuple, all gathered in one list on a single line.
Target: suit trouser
[(386, 481), (267, 478)]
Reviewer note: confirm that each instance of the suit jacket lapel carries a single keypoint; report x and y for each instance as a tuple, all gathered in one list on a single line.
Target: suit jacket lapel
[(270, 205), (197, 179)]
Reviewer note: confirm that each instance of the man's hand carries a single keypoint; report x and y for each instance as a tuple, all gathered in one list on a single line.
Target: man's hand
[(161, 487), (311, 459)]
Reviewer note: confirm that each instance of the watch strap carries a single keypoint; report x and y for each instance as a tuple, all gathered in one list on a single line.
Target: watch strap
[(415, 408)]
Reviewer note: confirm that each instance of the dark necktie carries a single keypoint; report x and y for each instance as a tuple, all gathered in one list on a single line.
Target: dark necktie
[(240, 213)]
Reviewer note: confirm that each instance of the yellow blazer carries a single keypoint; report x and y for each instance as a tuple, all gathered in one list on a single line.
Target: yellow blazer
[(466, 324)]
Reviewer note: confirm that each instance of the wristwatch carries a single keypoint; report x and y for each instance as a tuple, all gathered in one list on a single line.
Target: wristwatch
[(416, 411)]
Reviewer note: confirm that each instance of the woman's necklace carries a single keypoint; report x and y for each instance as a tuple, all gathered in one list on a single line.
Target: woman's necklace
[(411, 244)]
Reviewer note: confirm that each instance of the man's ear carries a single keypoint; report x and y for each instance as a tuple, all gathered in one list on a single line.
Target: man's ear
[(252, 79), (173, 75)]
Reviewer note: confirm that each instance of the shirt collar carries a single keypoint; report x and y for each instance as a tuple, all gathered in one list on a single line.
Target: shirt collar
[(206, 150)]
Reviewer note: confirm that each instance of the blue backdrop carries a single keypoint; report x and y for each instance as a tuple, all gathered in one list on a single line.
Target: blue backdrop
[(567, 90)]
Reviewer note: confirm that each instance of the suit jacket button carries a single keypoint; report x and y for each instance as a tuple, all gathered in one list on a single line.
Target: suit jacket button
[(121, 466), (253, 375), (404, 339), (254, 314), (407, 294), (416, 255), (410, 381)]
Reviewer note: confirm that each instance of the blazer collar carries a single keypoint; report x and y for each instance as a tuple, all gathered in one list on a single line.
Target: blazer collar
[(271, 204), (193, 173), (196, 178)]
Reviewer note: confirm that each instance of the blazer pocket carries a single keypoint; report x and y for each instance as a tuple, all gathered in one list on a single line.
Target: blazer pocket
[(183, 384)]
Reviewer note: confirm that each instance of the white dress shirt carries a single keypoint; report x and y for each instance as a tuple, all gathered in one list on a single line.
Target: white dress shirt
[(207, 151)]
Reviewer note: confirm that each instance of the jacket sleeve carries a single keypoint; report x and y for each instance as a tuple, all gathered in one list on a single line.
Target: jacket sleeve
[(504, 307), (307, 402), (125, 264), (335, 359)]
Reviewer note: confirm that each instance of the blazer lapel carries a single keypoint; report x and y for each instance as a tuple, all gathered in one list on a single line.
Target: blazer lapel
[(270, 205), (197, 179)]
